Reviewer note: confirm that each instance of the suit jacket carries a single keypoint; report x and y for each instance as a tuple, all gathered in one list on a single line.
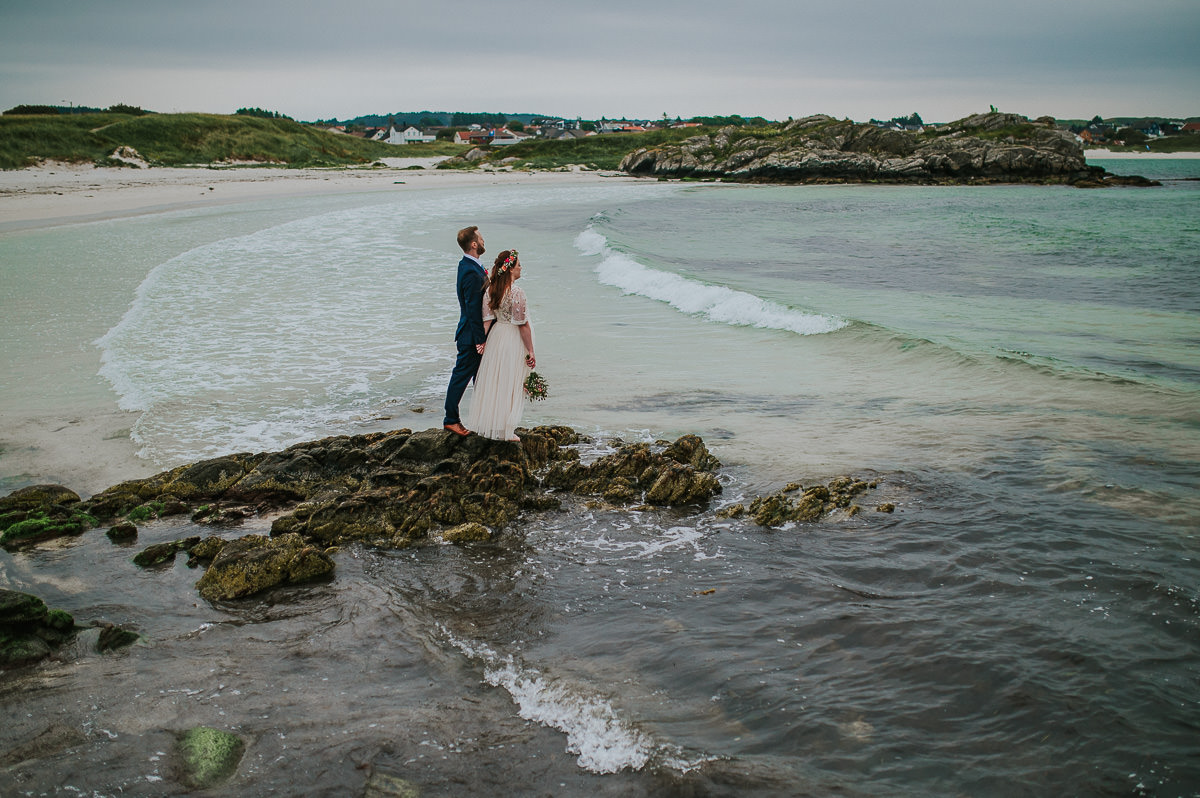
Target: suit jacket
[(471, 277)]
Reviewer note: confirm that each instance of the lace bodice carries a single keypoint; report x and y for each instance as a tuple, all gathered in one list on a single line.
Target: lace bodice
[(512, 310)]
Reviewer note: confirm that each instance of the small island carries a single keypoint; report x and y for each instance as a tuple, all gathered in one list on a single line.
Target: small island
[(981, 149)]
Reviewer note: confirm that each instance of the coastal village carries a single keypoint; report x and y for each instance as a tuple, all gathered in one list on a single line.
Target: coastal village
[(1095, 133), (478, 135)]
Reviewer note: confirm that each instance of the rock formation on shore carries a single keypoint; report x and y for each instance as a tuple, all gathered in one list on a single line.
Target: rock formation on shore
[(985, 148)]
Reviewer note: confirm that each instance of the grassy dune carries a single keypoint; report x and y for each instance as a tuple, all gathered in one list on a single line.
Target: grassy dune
[(179, 139)]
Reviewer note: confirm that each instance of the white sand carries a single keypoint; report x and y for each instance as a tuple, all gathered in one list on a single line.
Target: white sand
[(1100, 154), (61, 194)]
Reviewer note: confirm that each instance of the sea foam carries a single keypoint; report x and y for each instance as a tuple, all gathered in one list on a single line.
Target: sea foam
[(714, 302), (603, 741)]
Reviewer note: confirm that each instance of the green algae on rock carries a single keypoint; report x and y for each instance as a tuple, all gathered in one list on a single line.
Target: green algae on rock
[(41, 512), (208, 756)]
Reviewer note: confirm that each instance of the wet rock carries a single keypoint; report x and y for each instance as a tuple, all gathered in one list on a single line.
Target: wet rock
[(635, 469), (38, 497), (690, 450), (123, 532), (29, 630), (732, 511), (114, 637), (208, 756), (205, 551), (160, 553), (41, 512), (886, 507), (811, 505), (255, 563), (467, 533), (384, 785)]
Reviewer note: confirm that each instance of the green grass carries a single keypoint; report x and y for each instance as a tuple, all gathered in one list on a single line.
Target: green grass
[(598, 152), (430, 149), (180, 139)]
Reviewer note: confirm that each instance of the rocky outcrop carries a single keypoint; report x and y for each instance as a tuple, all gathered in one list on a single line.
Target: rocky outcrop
[(390, 489), (985, 148)]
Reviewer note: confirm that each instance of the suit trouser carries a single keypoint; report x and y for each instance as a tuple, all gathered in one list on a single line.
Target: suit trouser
[(464, 371)]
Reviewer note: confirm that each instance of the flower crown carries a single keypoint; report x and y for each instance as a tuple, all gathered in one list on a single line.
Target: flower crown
[(507, 263)]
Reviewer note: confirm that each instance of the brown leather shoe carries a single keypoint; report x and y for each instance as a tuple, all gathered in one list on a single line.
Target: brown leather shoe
[(457, 429)]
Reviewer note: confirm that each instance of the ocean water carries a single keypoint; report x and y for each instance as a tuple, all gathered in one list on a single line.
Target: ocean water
[(1017, 367)]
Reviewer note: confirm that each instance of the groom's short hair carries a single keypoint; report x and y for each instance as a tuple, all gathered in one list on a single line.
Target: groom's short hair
[(466, 236)]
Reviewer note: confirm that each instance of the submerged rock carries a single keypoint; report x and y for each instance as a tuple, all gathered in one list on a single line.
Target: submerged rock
[(385, 785), (208, 756), (30, 631), (122, 532), (53, 739), (812, 504)]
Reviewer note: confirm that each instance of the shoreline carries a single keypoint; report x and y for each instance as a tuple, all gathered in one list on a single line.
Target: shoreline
[(1104, 155), (85, 446), (56, 194)]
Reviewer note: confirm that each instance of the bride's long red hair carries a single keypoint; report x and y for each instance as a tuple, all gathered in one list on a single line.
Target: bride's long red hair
[(499, 281)]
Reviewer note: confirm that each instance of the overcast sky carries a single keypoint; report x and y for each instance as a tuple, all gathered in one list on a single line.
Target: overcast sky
[(860, 59)]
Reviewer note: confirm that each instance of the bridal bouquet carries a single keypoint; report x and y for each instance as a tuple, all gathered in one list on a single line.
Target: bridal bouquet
[(535, 387)]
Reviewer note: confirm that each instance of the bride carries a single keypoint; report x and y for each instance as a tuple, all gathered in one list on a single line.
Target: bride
[(499, 397)]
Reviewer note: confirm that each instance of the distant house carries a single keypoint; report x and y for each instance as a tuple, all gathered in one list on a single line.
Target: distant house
[(1191, 127), (503, 137), (554, 133), (475, 137), (409, 135)]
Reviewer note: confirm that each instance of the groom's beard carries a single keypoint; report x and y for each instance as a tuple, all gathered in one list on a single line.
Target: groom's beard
[(481, 251)]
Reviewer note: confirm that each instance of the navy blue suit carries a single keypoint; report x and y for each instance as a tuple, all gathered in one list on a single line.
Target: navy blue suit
[(469, 333)]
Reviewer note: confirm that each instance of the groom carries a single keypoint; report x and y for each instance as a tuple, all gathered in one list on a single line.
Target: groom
[(469, 336)]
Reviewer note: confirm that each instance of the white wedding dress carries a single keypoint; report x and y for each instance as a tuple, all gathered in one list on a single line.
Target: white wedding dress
[(499, 398)]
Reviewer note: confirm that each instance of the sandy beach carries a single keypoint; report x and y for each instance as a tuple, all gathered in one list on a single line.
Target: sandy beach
[(57, 193)]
